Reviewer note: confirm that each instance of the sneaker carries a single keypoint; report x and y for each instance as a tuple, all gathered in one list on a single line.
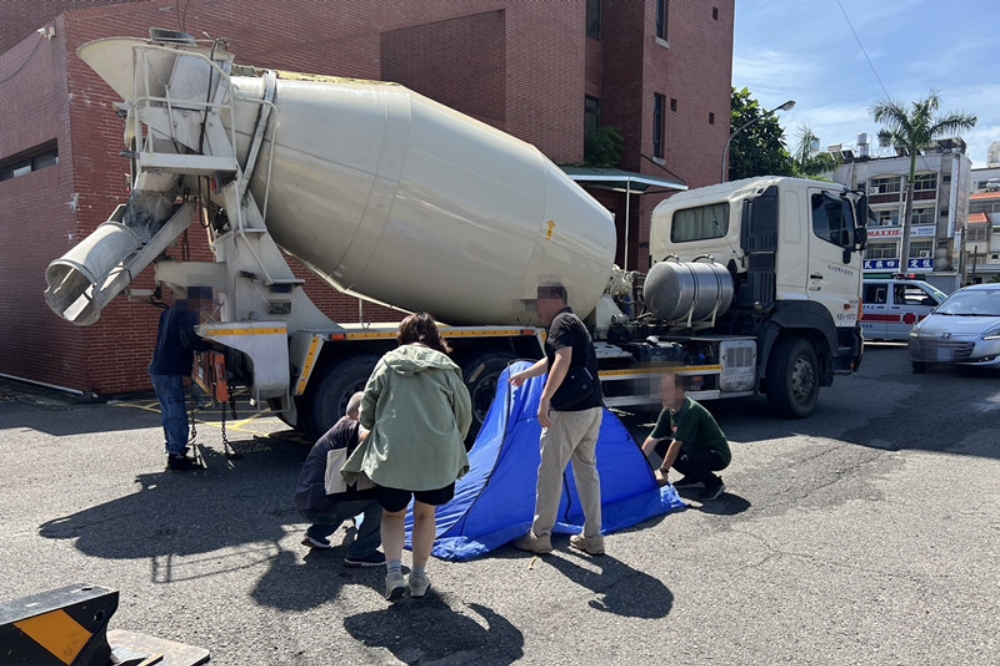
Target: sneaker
[(376, 559), (590, 545), (418, 584), (395, 586), (181, 463), (313, 542), (687, 482), (534, 544), (713, 491)]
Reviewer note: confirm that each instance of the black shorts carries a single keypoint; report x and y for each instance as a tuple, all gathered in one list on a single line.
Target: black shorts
[(394, 499)]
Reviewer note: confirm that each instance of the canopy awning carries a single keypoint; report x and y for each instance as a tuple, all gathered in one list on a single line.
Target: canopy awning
[(619, 180)]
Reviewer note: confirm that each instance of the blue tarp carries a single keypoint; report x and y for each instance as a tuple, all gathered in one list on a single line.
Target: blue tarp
[(495, 502)]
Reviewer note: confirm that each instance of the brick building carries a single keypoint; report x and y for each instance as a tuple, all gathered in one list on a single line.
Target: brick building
[(659, 71)]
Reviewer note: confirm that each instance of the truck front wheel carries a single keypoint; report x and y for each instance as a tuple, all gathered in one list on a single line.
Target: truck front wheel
[(793, 378), (480, 374), (326, 399)]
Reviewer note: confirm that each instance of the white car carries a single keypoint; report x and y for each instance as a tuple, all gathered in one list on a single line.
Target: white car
[(963, 330)]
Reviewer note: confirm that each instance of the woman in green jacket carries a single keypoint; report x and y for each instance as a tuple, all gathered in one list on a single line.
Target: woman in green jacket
[(418, 412)]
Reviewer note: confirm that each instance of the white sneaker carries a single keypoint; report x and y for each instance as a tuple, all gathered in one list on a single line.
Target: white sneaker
[(418, 584), (395, 586)]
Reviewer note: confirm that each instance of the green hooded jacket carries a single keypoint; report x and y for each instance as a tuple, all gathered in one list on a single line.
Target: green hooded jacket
[(418, 411)]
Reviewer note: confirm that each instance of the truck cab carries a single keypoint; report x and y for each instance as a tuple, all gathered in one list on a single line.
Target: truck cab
[(893, 305)]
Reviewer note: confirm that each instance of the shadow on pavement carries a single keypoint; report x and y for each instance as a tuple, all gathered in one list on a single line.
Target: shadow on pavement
[(727, 504), (426, 630), (622, 590)]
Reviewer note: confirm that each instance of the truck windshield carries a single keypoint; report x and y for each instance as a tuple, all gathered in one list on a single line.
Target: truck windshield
[(703, 222)]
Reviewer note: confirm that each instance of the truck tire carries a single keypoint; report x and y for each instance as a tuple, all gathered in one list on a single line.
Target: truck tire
[(793, 378), (327, 397), (480, 373)]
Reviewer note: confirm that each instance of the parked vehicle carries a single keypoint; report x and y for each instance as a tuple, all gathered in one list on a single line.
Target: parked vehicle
[(390, 196), (892, 306), (963, 330)]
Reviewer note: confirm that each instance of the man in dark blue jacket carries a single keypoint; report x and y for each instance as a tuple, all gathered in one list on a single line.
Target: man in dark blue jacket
[(176, 343), (327, 512)]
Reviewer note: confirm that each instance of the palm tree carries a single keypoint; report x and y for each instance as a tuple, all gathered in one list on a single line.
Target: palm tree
[(808, 161), (911, 131)]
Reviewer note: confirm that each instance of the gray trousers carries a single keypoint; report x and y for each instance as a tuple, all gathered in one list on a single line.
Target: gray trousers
[(572, 436)]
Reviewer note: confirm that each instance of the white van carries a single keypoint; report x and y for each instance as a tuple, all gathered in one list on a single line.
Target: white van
[(893, 305)]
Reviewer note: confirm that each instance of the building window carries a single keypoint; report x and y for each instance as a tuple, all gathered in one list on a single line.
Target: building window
[(659, 104), (673, 104), (591, 114), (922, 250), (885, 185), (977, 233), (34, 159), (711, 118), (924, 182), (881, 251), (593, 19), (715, 13), (887, 218), (661, 19), (923, 216)]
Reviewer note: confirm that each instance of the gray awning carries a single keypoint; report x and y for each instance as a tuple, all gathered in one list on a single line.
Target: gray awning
[(618, 180)]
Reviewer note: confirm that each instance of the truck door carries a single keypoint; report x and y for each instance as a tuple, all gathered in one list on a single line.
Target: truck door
[(876, 306), (831, 281)]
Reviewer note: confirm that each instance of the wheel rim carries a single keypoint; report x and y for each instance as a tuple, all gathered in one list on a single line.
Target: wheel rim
[(803, 380), (482, 396)]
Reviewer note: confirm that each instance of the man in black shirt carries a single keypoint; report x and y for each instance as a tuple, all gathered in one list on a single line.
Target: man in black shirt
[(570, 413)]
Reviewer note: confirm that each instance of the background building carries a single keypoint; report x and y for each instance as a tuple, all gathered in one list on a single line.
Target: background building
[(543, 71), (940, 206)]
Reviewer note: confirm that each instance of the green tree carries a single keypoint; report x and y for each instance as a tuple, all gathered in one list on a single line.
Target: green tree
[(807, 161), (757, 145), (603, 146), (911, 131)]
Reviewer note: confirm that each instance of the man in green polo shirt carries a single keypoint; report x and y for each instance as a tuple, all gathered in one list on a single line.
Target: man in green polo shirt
[(688, 439)]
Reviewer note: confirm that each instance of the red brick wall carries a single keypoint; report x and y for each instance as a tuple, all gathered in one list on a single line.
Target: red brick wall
[(460, 63), (522, 66)]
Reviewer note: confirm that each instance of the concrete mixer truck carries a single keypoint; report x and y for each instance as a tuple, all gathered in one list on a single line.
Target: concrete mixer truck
[(392, 197)]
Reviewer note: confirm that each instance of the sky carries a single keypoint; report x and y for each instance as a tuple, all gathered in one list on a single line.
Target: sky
[(805, 50)]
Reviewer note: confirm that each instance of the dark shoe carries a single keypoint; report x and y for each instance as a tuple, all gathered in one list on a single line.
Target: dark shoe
[(376, 559), (687, 482), (534, 544), (312, 542), (182, 463), (713, 490)]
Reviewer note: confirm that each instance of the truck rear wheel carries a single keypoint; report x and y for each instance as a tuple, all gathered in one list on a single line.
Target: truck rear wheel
[(481, 374), (793, 378), (327, 398)]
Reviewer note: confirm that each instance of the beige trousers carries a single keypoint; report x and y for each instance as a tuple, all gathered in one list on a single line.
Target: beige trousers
[(572, 436)]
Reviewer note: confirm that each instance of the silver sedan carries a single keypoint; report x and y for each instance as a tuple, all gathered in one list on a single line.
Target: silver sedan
[(963, 330)]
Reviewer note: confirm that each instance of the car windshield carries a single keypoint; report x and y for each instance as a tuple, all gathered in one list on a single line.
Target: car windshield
[(972, 303)]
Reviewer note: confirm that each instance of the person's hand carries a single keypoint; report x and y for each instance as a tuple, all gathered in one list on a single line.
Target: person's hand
[(661, 478), (517, 379), (543, 413)]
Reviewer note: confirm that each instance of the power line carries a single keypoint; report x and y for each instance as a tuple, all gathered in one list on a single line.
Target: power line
[(870, 63)]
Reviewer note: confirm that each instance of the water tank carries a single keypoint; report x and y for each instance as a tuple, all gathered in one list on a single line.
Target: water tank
[(678, 290)]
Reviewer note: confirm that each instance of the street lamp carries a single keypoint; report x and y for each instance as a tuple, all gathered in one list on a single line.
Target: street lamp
[(787, 106)]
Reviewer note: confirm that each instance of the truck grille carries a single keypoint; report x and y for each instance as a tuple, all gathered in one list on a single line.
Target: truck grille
[(930, 349)]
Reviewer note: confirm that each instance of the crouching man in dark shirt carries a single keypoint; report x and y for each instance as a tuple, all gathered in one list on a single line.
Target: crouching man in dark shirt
[(688, 439), (327, 512)]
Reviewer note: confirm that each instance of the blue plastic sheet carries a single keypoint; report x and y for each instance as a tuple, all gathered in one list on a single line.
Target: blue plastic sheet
[(495, 502)]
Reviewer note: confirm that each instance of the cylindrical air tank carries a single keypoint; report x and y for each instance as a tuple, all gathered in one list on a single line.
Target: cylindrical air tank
[(679, 290), (392, 196)]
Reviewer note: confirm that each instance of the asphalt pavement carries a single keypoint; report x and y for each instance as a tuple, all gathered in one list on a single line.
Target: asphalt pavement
[(864, 534)]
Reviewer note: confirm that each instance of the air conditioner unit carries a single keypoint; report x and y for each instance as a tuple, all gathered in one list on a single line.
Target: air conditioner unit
[(924, 254), (875, 189)]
